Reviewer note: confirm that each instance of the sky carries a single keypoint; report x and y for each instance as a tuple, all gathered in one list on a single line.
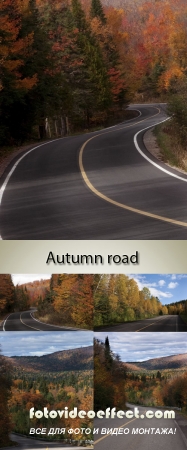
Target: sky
[(27, 278), (25, 343), (143, 346), (168, 288)]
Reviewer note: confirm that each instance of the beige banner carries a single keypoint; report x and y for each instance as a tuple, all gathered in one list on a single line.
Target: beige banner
[(94, 256)]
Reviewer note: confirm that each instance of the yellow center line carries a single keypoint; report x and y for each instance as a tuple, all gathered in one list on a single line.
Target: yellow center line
[(158, 320), (114, 202), (28, 325), (116, 428)]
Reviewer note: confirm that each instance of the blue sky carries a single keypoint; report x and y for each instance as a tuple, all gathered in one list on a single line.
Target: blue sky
[(143, 346), (168, 288), (26, 343)]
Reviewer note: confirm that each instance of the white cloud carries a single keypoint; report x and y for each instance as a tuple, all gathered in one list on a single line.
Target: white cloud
[(28, 343), (158, 293), (172, 285), (152, 287), (161, 282), (143, 346)]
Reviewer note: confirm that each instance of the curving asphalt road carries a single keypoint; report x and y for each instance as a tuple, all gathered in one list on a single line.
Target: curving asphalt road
[(95, 186), (24, 321), (170, 323), (140, 441)]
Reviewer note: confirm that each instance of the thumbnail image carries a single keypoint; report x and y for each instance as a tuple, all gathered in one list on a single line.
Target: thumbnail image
[(46, 379), (44, 302), (93, 120), (148, 302), (140, 385)]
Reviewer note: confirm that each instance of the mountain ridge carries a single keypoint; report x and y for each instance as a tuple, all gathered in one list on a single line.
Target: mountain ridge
[(65, 360), (165, 362)]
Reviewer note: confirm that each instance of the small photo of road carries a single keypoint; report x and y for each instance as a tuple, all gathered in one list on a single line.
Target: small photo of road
[(46, 303), (141, 303), (45, 380), (93, 120), (140, 385)]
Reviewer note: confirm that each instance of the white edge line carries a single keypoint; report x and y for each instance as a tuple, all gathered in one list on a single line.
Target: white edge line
[(150, 160), (57, 326), (28, 326), (5, 322), (135, 109), (3, 187)]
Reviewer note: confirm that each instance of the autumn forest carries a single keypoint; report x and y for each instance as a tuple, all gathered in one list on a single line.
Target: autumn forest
[(158, 382), (84, 301), (27, 382), (71, 64)]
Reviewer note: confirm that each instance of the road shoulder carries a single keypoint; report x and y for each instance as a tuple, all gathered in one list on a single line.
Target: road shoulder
[(150, 142)]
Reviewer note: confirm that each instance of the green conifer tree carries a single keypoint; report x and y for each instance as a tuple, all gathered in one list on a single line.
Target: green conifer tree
[(97, 10)]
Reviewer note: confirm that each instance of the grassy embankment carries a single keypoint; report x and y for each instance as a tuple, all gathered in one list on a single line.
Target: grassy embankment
[(171, 149)]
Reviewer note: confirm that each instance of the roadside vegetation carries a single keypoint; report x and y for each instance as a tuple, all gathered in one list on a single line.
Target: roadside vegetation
[(109, 377), (84, 300), (68, 302), (172, 134), (157, 388), (19, 297), (117, 298), (117, 382)]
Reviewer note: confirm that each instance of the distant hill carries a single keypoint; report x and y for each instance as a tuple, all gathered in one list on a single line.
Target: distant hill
[(37, 289), (66, 360), (166, 362)]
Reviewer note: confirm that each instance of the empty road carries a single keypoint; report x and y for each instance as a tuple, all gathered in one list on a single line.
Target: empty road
[(161, 323), (147, 441), (25, 321), (100, 185)]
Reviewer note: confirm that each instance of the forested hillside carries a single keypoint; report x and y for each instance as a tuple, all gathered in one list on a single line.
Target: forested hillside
[(57, 380), (66, 360), (20, 297), (56, 63), (165, 362), (36, 289), (155, 382), (68, 64), (158, 382)]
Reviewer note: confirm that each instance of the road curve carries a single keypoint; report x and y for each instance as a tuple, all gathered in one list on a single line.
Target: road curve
[(24, 321), (171, 323), (101, 185), (147, 441)]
